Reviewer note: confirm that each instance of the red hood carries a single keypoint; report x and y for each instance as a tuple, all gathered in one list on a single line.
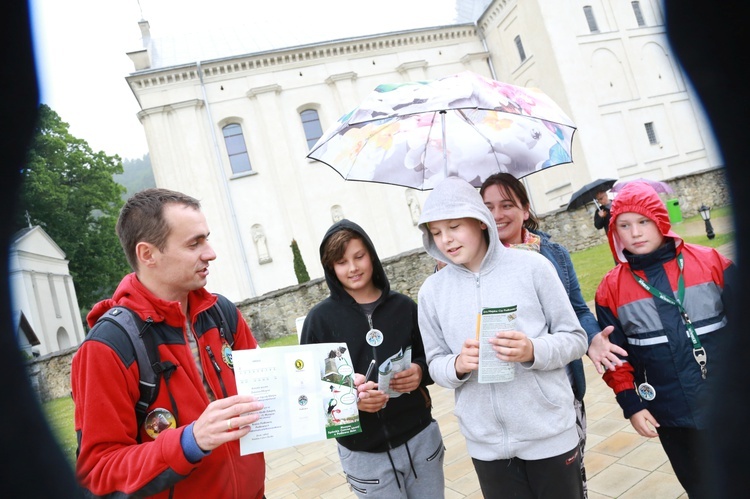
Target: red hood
[(134, 295), (638, 197)]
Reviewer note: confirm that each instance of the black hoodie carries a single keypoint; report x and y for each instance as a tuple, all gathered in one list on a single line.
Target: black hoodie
[(339, 318)]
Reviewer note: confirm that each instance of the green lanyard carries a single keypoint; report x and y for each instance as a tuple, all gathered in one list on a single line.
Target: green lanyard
[(698, 351)]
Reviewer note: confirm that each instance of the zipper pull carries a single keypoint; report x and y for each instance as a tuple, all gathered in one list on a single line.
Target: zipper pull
[(217, 367), (146, 325)]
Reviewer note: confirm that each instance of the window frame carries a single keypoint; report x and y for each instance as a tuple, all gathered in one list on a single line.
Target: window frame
[(588, 11), (235, 154), (651, 133), (519, 47), (311, 141), (639, 19)]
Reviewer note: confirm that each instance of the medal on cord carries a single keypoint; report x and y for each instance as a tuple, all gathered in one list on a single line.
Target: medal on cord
[(374, 337), (645, 390)]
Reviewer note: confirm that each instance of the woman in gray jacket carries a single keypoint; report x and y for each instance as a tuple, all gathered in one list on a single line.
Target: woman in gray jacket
[(521, 434)]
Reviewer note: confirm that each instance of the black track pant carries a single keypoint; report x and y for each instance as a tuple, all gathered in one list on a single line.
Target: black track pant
[(685, 448), (557, 477)]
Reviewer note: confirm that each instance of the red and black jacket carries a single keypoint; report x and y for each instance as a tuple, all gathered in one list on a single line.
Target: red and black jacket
[(104, 382)]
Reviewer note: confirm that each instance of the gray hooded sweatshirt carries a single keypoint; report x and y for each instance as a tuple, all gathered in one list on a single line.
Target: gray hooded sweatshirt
[(532, 416)]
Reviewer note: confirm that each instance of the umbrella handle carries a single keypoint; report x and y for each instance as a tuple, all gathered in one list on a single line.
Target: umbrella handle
[(445, 148)]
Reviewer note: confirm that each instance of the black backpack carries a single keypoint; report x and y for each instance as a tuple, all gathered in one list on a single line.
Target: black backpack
[(150, 367)]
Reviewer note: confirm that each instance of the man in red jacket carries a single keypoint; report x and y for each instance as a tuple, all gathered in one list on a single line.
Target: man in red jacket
[(188, 444)]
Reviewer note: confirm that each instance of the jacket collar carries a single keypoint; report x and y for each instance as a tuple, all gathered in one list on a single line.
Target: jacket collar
[(131, 293)]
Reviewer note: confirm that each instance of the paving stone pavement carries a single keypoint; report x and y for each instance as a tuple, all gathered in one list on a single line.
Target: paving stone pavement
[(619, 462)]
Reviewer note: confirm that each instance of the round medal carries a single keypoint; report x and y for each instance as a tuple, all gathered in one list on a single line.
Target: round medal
[(157, 421), (226, 354), (646, 391), (374, 337)]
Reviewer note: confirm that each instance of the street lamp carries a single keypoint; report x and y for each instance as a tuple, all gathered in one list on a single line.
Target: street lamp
[(705, 212)]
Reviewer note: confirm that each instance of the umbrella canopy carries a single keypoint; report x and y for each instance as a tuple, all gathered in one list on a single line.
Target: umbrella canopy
[(587, 193), (658, 186), (415, 134)]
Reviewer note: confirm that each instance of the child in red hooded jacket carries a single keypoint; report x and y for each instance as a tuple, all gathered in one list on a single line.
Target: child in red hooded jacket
[(666, 302)]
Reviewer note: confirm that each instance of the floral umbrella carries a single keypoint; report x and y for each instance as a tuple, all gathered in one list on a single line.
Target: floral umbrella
[(660, 187), (415, 134)]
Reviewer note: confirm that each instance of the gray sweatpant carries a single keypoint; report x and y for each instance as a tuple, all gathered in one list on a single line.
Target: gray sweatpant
[(371, 474)]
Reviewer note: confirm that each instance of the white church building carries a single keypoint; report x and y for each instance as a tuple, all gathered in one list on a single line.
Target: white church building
[(45, 308), (231, 123)]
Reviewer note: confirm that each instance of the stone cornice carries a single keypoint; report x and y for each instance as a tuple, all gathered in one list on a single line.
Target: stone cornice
[(403, 68), (304, 55), (254, 92), (498, 9), (198, 103), (482, 56), (350, 75)]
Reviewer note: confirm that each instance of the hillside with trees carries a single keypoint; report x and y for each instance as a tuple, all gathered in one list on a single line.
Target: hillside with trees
[(136, 175)]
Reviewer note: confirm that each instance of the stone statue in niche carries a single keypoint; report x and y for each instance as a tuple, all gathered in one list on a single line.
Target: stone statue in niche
[(414, 208), (337, 214), (261, 245)]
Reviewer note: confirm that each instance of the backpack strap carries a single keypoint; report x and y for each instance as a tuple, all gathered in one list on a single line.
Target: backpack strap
[(224, 314), (147, 356)]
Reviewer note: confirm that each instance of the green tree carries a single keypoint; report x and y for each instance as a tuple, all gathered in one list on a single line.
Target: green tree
[(299, 264), (69, 191)]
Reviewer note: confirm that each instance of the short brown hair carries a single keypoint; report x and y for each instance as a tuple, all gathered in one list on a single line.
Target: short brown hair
[(335, 246), (142, 220), (511, 185)]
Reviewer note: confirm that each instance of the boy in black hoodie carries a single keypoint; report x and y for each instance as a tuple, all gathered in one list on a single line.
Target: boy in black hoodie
[(400, 449)]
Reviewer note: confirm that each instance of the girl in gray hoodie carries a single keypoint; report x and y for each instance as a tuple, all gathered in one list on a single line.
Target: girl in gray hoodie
[(520, 434)]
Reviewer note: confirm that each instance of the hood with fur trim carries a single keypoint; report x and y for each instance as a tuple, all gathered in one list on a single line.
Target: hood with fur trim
[(641, 198)]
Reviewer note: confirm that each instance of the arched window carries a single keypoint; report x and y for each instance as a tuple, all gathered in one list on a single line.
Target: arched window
[(236, 148), (519, 46), (311, 125), (589, 12)]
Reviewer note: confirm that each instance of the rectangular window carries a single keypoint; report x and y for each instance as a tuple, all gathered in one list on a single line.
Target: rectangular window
[(236, 148), (651, 132), (638, 14), (590, 19), (519, 46)]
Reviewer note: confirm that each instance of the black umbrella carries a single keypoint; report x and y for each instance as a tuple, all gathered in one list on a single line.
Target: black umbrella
[(587, 193)]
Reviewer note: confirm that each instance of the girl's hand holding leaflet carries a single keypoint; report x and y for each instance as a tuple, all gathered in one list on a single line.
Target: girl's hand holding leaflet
[(513, 346), (468, 359)]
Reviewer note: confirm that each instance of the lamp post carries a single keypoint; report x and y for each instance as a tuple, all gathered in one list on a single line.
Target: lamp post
[(705, 212)]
